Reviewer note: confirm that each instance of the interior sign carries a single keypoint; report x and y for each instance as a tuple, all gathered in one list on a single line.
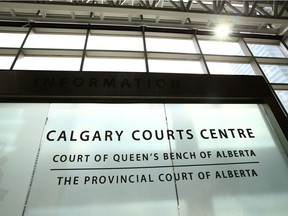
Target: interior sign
[(137, 135), (168, 159)]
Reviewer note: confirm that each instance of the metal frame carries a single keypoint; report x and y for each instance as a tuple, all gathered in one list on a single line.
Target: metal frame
[(267, 17), (142, 30)]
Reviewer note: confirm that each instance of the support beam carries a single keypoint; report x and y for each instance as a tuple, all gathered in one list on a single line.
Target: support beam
[(154, 4), (144, 4), (12, 11), (43, 13), (110, 2), (253, 8), (246, 8), (188, 5), (72, 15), (101, 16), (233, 8), (284, 7), (118, 2), (174, 5), (139, 11), (221, 6), (182, 6), (129, 18), (148, 3), (262, 11), (215, 9), (198, 15), (285, 36), (275, 8), (204, 6), (157, 19)]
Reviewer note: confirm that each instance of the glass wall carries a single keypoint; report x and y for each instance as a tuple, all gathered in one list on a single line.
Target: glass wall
[(267, 50), (276, 73), (42, 49), (11, 39), (221, 47), (227, 68), (283, 96)]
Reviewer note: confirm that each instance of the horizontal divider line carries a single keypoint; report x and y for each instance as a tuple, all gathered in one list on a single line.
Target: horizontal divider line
[(153, 167)]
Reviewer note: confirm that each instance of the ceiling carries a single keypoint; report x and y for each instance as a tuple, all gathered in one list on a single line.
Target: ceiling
[(243, 16)]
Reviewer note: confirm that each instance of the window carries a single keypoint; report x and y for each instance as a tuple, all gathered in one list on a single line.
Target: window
[(220, 48), (175, 66), (55, 41), (230, 68), (114, 64), (48, 63), (6, 62), (170, 45), (108, 42), (267, 50), (276, 73), (283, 96), (12, 40)]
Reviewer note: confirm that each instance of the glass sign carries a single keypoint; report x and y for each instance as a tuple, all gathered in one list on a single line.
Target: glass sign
[(141, 159)]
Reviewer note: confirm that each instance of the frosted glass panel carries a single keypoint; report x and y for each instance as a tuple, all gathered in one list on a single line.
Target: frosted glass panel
[(13, 40), (115, 43), (235, 160), (21, 127), (114, 64), (276, 73), (143, 159), (265, 50), (283, 96), (220, 47), (48, 63), (6, 62), (230, 68), (170, 45), (56, 41), (175, 66), (117, 166)]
